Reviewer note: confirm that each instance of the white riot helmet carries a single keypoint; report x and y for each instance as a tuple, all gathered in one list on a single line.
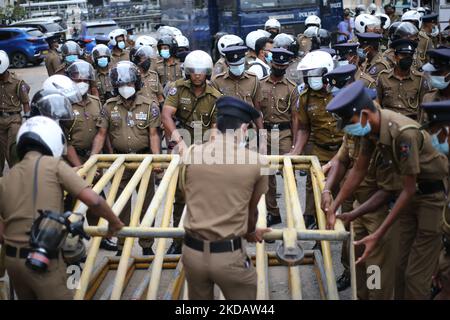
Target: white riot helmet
[(145, 41), (182, 41), (313, 20), (228, 40), (253, 36), (65, 86), (421, 10), (4, 61), (372, 8), (116, 33), (176, 32), (165, 31), (41, 132), (272, 24), (385, 20), (414, 17), (316, 60), (366, 20), (198, 62)]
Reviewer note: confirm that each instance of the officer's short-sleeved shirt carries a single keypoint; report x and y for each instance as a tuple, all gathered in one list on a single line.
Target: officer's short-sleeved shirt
[(152, 87), (279, 99), (104, 85), (313, 114), (167, 72), (425, 44), (13, 93), (376, 65), (218, 195), (219, 67), (88, 117), (52, 62), (403, 96), (292, 73), (246, 88), (349, 150), (369, 82), (408, 150), (119, 55), (16, 193), (128, 127)]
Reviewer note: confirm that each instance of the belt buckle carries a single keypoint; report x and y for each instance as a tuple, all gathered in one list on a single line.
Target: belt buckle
[(276, 127), (232, 245)]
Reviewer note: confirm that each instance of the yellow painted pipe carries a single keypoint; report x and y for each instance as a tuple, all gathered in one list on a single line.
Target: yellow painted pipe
[(352, 262), (262, 288), (297, 212)]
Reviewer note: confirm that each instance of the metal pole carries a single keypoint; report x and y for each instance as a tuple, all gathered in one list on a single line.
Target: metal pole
[(262, 288), (352, 262)]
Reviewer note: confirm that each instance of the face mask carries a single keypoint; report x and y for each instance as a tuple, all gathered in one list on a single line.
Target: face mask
[(405, 63), (72, 58), (237, 70), (273, 34), (102, 62), (439, 82), (127, 91), (84, 87), (58, 49), (334, 91), (269, 57), (434, 31), (121, 45), (315, 83), (362, 54), (357, 129), (342, 63), (145, 65), (278, 72), (441, 147), (165, 54)]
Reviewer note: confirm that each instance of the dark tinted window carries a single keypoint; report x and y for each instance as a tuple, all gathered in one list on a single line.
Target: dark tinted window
[(100, 30), (267, 4), (53, 27), (5, 35)]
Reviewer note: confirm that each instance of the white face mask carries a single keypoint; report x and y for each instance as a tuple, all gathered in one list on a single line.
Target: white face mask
[(127, 91), (84, 87), (315, 83)]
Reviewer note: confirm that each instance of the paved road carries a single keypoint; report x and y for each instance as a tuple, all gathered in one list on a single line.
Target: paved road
[(35, 76)]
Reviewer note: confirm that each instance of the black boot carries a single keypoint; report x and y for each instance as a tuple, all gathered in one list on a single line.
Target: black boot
[(175, 248), (147, 252), (344, 281), (273, 219)]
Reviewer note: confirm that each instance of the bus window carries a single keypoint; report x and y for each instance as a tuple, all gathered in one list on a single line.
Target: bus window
[(267, 4)]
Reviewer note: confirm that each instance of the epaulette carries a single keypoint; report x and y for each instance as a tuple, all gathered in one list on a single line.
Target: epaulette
[(93, 97)]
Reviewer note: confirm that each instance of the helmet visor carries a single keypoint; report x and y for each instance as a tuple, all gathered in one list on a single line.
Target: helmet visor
[(56, 107)]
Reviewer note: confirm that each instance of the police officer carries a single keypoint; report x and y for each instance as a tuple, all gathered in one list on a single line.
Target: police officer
[(425, 42), (402, 88), (402, 30), (278, 105), (250, 42), (438, 115), (237, 82), (131, 122), (430, 26), (369, 45), (53, 58), (261, 65), (13, 100), (273, 26), (419, 206), (225, 41), (389, 9), (101, 56), (347, 53), (151, 87), (313, 119), (40, 145), (192, 102), (168, 66), (312, 22), (214, 247), (288, 42), (117, 40), (71, 52)]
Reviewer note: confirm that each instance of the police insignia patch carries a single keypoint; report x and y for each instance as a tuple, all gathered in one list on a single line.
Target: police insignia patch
[(301, 88), (173, 91), (373, 70), (404, 151), (155, 111)]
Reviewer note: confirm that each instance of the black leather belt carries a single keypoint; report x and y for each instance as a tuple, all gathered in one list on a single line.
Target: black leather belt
[(430, 187), (142, 151), (11, 251), (8, 114), (214, 246), (277, 126), (329, 147)]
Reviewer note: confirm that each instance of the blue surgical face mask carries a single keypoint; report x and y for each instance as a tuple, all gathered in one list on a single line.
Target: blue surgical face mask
[(441, 147), (121, 45), (362, 54), (237, 70), (269, 57), (165, 53), (439, 82), (357, 129), (72, 58), (102, 62), (334, 91), (315, 83), (342, 63)]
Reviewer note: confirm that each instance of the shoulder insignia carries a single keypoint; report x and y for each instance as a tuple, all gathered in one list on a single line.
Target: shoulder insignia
[(373, 70), (291, 82), (173, 91), (24, 87), (404, 150), (154, 110), (302, 89)]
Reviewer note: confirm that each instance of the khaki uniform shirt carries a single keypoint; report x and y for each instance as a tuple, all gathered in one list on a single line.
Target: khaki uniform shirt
[(425, 44), (128, 127), (349, 150), (246, 88), (408, 151), (376, 65), (13, 93), (167, 73), (88, 117), (52, 62), (220, 67), (218, 195), (104, 85), (402, 96), (61, 69), (389, 57), (151, 88), (117, 56), (313, 114), (249, 59), (193, 111), (369, 82), (292, 73), (278, 100), (16, 193)]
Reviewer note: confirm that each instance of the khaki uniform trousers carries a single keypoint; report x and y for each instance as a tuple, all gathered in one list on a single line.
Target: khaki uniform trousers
[(420, 236), (232, 271), (9, 127), (31, 285), (383, 256), (285, 145)]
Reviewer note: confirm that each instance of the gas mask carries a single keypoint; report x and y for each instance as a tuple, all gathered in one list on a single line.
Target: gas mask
[(127, 91), (47, 236)]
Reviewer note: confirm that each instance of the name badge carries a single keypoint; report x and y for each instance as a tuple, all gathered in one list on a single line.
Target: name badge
[(115, 115), (185, 100), (141, 116)]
